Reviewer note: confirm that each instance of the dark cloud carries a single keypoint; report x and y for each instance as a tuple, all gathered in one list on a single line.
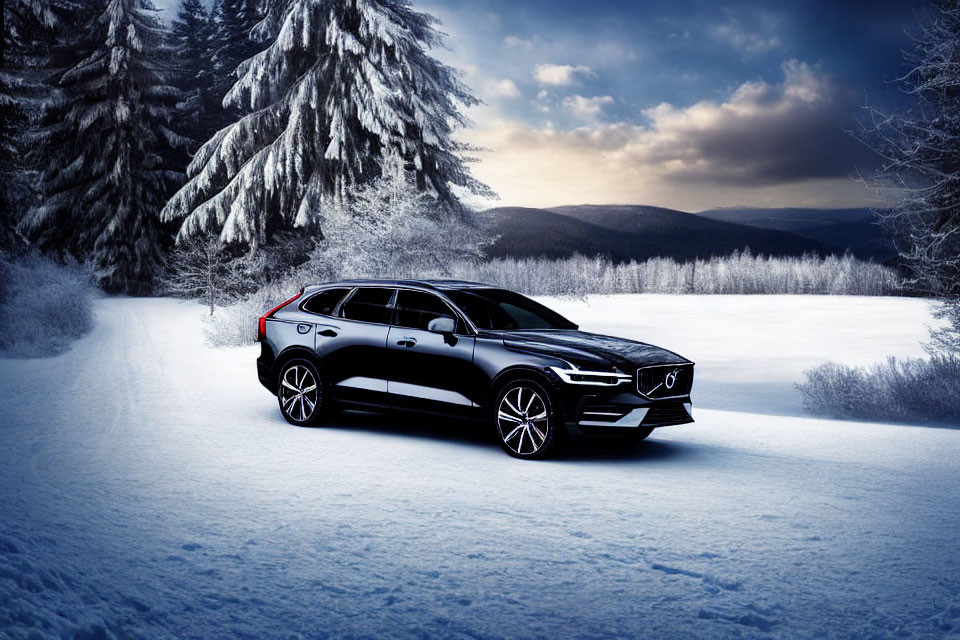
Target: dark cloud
[(763, 134)]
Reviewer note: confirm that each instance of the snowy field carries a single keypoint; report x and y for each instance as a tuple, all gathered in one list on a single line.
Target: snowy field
[(149, 488)]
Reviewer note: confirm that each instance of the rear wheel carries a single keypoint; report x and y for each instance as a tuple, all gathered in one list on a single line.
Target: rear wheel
[(527, 423), (301, 393)]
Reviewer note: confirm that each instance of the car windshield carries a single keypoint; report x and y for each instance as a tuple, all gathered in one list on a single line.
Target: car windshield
[(498, 309)]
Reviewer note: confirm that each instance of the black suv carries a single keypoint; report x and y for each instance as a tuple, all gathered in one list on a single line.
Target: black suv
[(470, 350)]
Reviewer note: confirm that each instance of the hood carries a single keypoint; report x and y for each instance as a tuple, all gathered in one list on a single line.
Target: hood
[(589, 349)]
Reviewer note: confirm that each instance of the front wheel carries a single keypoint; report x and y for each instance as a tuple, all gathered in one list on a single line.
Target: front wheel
[(301, 393), (528, 424)]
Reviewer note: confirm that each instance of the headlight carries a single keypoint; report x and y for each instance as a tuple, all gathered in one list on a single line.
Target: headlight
[(595, 378)]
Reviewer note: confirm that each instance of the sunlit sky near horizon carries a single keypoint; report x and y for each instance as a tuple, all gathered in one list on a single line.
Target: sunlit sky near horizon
[(686, 104)]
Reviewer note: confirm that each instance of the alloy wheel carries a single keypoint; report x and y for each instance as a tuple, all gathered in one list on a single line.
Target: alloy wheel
[(523, 420), (299, 393)]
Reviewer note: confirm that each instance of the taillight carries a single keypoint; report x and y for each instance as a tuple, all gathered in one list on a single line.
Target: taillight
[(262, 323), (262, 329)]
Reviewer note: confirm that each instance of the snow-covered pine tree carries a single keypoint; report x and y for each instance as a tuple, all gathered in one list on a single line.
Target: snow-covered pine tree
[(107, 145), (199, 111), (26, 31), (232, 42), (12, 117), (344, 83), (271, 15)]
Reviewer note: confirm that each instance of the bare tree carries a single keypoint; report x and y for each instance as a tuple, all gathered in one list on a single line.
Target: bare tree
[(388, 227), (200, 269), (921, 156)]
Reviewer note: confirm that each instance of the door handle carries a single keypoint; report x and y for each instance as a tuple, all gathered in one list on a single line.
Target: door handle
[(327, 333), (407, 341)]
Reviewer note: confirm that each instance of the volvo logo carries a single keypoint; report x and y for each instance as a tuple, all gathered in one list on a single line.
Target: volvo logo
[(671, 379)]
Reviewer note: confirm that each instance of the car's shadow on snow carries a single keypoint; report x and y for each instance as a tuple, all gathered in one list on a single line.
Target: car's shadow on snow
[(475, 434), (616, 450), (414, 426)]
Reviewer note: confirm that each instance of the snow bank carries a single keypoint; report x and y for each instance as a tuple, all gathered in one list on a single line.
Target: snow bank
[(44, 306)]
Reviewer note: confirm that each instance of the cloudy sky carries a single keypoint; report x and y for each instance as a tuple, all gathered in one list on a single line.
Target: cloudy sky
[(687, 104)]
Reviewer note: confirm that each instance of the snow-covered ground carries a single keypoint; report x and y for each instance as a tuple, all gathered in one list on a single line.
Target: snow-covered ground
[(149, 488), (751, 350)]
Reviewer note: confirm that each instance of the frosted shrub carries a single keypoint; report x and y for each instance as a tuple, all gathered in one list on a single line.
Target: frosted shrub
[(913, 391), (236, 325), (44, 306), (836, 390)]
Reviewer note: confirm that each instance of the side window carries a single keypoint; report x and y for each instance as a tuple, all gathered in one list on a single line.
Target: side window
[(481, 312), (369, 305), (324, 302), (415, 309)]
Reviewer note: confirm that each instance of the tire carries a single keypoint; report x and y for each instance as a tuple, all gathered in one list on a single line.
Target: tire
[(516, 404), (300, 385)]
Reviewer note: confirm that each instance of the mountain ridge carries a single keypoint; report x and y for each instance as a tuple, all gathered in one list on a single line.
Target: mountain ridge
[(854, 229), (639, 232)]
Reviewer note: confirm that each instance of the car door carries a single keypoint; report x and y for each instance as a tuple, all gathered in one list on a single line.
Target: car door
[(430, 371), (352, 346)]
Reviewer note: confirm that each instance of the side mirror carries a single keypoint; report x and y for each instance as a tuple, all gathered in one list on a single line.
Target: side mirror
[(443, 324)]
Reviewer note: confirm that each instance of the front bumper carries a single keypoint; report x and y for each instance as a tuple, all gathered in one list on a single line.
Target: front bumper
[(594, 411)]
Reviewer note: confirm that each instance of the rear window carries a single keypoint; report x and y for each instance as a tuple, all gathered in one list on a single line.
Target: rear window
[(324, 302), (369, 305)]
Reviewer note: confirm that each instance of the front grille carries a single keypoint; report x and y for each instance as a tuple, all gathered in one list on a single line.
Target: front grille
[(665, 380), (661, 415)]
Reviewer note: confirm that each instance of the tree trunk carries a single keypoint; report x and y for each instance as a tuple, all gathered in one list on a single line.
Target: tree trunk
[(3, 32), (211, 265)]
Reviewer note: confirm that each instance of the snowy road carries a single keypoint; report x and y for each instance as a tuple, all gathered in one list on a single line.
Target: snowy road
[(149, 488)]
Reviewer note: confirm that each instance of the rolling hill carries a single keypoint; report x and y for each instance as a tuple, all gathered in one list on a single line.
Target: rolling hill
[(625, 232)]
